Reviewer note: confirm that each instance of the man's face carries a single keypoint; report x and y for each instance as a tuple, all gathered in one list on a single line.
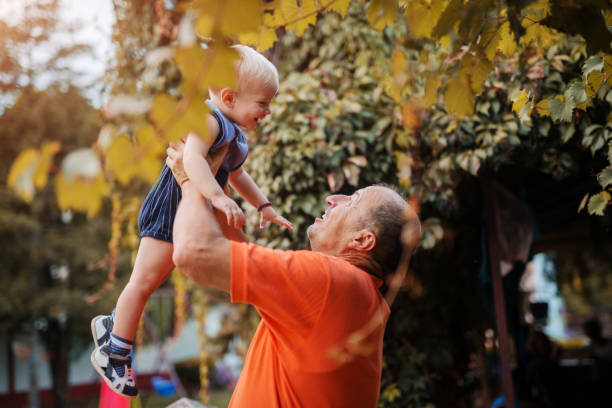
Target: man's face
[(344, 216)]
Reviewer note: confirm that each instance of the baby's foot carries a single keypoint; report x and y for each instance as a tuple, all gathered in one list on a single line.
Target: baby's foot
[(116, 370)]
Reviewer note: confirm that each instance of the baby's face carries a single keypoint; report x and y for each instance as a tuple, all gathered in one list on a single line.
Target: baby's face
[(252, 105)]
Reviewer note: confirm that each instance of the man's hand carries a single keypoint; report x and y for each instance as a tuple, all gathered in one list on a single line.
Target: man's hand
[(175, 162), (269, 215)]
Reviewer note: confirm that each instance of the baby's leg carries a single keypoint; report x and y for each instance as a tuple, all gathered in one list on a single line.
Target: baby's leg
[(152, 266)]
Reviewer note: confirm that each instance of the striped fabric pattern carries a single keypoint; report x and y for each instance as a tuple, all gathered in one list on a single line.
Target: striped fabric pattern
[(156, 216)]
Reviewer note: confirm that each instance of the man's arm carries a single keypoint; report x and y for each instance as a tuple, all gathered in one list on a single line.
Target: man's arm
[(200, 250)]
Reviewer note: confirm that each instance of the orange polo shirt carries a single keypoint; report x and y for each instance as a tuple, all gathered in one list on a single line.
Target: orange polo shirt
[(319, 342)]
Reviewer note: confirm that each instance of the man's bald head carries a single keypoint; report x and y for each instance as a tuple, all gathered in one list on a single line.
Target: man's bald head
[(394, 221)]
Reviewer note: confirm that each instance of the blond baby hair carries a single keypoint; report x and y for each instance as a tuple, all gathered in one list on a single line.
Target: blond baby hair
[(254, 69)]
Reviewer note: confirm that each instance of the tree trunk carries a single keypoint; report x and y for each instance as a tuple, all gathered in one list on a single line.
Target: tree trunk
[(57, 342)]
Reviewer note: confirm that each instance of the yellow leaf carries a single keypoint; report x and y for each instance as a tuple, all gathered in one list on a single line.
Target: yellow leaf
[(490, 40), (48, 150), (142, 159), (445, 42), (431, 91), (507, 45), (261, 40), (595, 81), (80, 194), (542, 107), (477, 70), (222, 16), (150, 152), (518, 104), (535, 32), (340, 6), (422, 16), (296, 15), (223, 61), (202, 69), (176, 119), (205, 25), (241, 16), (382, 13), (398, 67), (21, 175), (194, 66), (147, 137), (458, 97), (148, 168), (120, 159)]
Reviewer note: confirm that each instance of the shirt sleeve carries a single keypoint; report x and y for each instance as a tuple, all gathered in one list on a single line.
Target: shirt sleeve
[(288, 288)]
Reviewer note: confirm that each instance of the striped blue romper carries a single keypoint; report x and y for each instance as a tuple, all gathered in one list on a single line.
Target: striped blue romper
[(158, 210)]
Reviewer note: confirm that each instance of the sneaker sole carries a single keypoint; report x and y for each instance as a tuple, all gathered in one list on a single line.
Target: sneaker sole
[(107, 380)]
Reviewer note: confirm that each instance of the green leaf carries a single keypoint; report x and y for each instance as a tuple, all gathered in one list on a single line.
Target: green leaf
[(598, 203), (560, 111), (605, 178), (567, 133), (576, 93), (593, 63), (592, 129), (525, 112)]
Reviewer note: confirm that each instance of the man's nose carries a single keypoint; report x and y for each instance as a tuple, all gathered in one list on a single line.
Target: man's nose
[(335, 199)]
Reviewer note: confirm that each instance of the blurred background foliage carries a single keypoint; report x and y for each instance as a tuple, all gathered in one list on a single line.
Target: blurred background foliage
[(422, 94)]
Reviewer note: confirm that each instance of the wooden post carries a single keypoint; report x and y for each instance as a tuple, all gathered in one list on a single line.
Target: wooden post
[(498, 290)]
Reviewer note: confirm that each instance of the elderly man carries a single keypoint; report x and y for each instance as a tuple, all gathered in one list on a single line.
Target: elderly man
[(319, 343)]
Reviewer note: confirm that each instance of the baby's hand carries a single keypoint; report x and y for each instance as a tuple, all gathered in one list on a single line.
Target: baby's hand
[(269, 215), (235, 216)]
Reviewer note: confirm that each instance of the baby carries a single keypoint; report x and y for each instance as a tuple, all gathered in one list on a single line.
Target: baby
[(210, 165)]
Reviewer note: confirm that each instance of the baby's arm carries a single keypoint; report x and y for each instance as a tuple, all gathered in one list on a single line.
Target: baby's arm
[(242, 182), (199, 172)]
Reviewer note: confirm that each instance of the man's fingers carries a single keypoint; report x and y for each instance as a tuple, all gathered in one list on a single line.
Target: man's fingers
[(230, 220), (178, 146)]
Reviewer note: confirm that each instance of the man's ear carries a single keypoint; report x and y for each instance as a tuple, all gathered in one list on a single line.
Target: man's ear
[(363, 240), (228, 97)]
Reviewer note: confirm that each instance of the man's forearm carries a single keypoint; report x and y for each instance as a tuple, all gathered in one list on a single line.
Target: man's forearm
[(200, 249)]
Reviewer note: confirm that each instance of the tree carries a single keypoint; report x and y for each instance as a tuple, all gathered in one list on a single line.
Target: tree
[(48, 256), (46, 268), (30, 54)]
